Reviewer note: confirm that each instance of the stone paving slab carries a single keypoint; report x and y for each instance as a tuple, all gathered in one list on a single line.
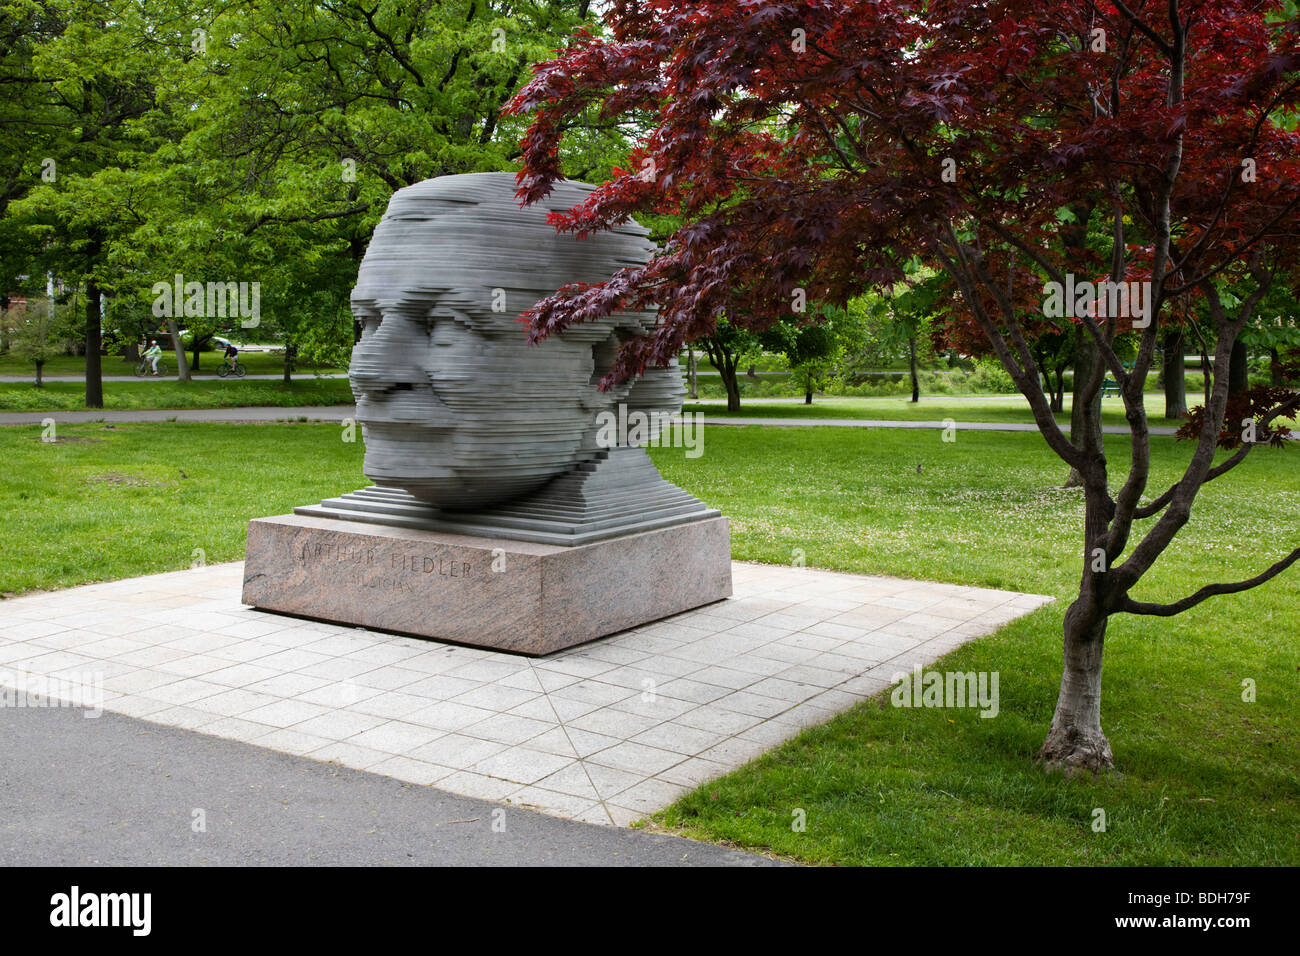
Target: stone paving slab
[(605, 733)]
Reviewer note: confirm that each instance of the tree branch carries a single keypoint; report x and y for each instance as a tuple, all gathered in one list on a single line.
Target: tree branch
[(1129, 606)]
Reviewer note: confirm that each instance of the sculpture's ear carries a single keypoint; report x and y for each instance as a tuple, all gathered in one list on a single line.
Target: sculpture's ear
[(604, 353), (657, 394)]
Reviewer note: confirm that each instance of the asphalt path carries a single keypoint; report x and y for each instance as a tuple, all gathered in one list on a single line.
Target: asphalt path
[(201, 376), (119, 791), (328, 413), (336, 414)]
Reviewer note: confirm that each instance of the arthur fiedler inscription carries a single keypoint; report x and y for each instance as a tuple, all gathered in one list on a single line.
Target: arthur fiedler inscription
[(396, 572)]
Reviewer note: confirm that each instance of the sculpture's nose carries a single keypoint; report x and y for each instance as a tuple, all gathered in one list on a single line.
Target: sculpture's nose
[(390, 355), (390, 375)]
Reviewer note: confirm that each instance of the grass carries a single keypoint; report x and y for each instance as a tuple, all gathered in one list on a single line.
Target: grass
[(1206, 778), (113, 501), (257, 363), (980, 408), (231, 393)]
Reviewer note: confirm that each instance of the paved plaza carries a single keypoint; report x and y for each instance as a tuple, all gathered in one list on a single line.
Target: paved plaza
[(604, 733)]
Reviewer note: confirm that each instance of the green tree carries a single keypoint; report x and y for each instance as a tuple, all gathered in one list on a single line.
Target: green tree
[(254, 142), (86, 107), (815, 348), (913, 311), (40, 332), (726, 347)]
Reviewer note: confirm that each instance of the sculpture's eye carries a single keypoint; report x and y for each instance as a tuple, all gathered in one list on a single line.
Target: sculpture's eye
[(445, 330)]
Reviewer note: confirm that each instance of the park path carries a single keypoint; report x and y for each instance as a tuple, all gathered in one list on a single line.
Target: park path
[(201, 375), (327, 413), (892, 423), (121, 791), (336, 413)]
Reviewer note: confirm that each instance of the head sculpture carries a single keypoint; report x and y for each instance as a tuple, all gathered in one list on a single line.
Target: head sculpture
[(456, 407)]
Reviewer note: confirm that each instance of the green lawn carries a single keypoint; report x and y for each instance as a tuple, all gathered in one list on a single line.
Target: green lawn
[(1206, 778), (112, 501), (257, 363), (213, 393), (982, 408)]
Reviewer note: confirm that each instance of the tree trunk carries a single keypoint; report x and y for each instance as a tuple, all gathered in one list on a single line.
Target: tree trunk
[(290, 357), (1075, 741), (39, 367), (1274, 367), (725, 362), (691, 373), (194, 365), (1074, 238), (733, 391), (1086, 356), (1238, 377), (94, 368), (911, 357), (808, 392), (182, 367), (131, 352), (1058, 393), (1174, 375)]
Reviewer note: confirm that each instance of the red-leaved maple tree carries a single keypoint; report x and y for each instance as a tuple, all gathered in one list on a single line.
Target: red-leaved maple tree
[(814, 148)]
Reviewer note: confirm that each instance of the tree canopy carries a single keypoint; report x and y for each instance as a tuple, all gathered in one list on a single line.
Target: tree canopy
[(815, 148), (256, 142)]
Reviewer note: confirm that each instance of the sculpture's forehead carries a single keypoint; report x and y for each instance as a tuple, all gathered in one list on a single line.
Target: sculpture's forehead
[(467, 237)]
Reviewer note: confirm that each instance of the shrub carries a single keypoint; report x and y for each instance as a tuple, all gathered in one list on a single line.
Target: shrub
[(990, 376)]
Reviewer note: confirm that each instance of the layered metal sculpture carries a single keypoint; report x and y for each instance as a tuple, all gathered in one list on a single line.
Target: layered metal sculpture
[(467, 427), (503, 515)]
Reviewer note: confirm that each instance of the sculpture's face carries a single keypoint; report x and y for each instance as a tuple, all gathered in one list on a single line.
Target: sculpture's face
[(462, 419), (456, 408)]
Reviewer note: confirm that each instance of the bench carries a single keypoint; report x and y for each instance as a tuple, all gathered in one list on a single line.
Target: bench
[(1109, 386)]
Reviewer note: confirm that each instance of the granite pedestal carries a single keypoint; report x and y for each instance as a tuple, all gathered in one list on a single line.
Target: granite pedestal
[(510, 595)]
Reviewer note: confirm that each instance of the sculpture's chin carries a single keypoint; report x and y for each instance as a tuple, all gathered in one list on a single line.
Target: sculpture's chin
[(408, 465), (457, 495)]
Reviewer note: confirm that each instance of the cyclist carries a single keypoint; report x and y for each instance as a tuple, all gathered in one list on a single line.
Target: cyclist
[(231, 352), (153, 354)]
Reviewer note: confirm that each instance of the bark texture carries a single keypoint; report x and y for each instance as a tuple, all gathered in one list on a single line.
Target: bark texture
[(1075, 742)]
